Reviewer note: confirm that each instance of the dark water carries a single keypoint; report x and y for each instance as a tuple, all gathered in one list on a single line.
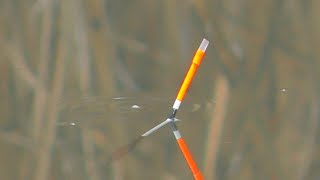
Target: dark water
[(250, 113), (116, 121)]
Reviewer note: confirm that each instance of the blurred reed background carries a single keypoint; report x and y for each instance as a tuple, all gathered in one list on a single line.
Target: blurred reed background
[(259, 83)]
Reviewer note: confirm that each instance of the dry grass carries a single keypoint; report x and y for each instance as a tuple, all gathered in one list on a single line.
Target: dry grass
[(266, 105)]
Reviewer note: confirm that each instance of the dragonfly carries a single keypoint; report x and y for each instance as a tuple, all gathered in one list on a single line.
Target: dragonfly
[(123, 106)]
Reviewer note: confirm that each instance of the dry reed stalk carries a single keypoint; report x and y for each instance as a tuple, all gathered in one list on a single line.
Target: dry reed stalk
[(304, 37), (19, 66), (82, 45), (49, 134), (99, 35), (89, 158), (40, 99), (100, 40), (309, 144), (315, 27), (201, 9), (172, 27), (15, 51), (216, 126), (23, 71), (82, 59)]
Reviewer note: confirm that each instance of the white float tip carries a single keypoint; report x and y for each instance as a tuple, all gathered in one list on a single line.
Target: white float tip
[(204, 44)]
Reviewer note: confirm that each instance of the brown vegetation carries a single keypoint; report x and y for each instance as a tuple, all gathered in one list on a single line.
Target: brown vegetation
[(259, 83)]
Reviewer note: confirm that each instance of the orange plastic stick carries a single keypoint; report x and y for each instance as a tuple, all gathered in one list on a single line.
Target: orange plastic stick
[(197, 59), (192, 70), (181, 94), (187, 155), (171, 120)]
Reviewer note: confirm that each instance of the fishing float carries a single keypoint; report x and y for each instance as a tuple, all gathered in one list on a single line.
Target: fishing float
[(197, 59)]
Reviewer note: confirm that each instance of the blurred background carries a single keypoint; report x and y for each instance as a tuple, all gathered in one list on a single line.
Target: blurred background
[(72, 71)]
